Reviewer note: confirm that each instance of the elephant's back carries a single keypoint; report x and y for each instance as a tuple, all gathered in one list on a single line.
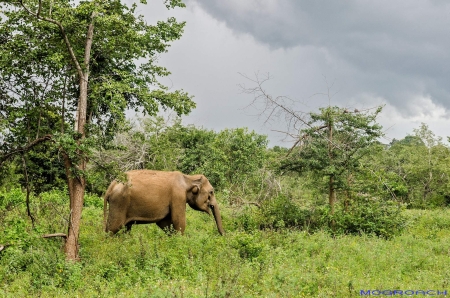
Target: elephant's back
[(150, 193), (144, 178), (152, 174)]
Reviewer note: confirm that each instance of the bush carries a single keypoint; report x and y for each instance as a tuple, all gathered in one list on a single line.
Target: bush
[(367, 215), (11, 199), (364, 215), (282, 212), (249, 246), (93, 200)]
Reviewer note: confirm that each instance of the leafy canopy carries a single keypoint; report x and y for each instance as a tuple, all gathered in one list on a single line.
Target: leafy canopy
[(39, 81), (333, 143)]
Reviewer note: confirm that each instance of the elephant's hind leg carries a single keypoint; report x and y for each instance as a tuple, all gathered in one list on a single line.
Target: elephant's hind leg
[(115, 226), (116, 221), (166, 224), (129, 225)]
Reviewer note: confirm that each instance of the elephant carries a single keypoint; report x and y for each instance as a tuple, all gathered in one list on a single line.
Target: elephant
[(158, 197)]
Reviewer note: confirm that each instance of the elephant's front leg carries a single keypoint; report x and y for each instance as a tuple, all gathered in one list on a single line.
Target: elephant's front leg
[(178, 216)]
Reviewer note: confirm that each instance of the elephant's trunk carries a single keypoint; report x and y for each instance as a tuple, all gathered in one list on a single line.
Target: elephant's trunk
[(216, 212)]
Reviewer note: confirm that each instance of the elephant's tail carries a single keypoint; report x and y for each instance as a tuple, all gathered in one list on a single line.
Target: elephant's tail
[(105, 211)]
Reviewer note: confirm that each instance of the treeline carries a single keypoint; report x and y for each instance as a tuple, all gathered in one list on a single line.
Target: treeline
[(414, 171), (264, 204), (262, 182), (227, 157)]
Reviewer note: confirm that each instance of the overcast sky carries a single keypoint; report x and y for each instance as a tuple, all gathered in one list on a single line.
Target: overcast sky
[(384, 52)]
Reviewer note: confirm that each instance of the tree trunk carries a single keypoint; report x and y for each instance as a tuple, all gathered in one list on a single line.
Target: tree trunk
[(76, 182), (332, 190), (27, 183), (76, 206), (331, 193)]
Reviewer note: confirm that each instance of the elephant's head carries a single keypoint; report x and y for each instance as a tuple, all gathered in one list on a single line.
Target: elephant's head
[(200, 196)]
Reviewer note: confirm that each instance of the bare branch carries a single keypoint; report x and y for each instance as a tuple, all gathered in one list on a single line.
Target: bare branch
[(62, 235), (280, 105), (304, 137), (273, 107), (63, 32), (24, 149)]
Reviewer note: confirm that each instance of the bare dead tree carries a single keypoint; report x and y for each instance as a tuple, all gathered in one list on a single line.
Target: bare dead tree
[(282, 108), (134, 157), (326, 142), (271, 108)]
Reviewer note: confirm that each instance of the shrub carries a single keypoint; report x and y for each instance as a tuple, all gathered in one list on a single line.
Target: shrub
[(248, 245), (248, 219), (93, 200), (367, 215), (363, 215), (11, 199), (282, 212)]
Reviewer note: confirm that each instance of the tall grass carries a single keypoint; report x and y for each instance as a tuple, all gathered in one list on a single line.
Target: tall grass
[(244, 263)]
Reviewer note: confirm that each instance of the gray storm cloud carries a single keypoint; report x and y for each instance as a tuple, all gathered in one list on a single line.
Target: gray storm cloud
[(396, 50)]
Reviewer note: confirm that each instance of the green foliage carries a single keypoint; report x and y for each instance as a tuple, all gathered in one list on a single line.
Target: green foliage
[(91, 200), (11, 199), (245, 153), (367, 215), (45, 170), (201, 155), (361, 215), (163, 141), (259, 263), (9, 176), (231, 156), (282, 212), (332, 145), (40, 87), (249, 246), (414, 170)]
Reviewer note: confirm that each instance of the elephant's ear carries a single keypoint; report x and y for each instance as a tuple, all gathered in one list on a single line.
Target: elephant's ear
[(193, 188)]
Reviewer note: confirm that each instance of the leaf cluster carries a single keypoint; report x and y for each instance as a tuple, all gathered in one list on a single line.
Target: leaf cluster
[(226, 157), (333, 142), (39, 89)]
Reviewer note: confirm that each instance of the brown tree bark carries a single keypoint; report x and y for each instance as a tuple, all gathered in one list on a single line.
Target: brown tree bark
[(72, 246), (77, 183), (331, 194), (332, 190)]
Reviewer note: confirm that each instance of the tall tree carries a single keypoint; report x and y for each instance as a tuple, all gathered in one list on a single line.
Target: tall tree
[(332, 144), (420, 163), (88, 62), (329, 143)]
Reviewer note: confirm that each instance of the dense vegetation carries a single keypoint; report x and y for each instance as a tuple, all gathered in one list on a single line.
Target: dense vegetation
[(246, 262), (337, 213), (281, 237), (82, 66)]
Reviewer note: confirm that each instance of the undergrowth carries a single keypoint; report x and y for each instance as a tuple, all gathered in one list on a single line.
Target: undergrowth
[(278, 259)]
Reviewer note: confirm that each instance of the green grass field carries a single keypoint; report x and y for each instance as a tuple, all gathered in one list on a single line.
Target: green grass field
[(268, 263)]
